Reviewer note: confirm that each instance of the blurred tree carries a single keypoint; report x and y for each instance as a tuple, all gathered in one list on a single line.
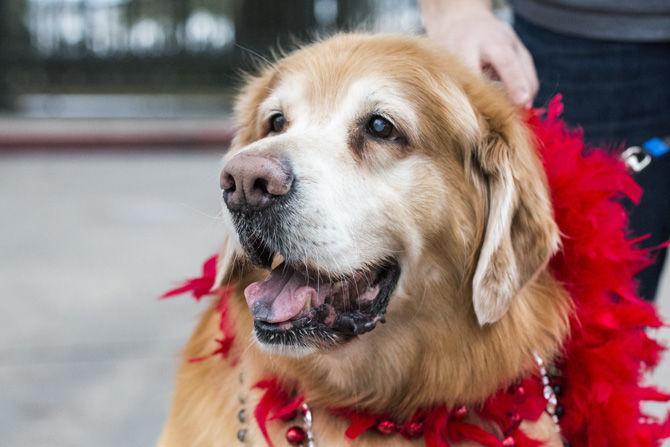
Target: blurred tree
[(353, 14), (260, 25), (225, 8), (181, 10), (4, 60), (15, 48), (145, 41)]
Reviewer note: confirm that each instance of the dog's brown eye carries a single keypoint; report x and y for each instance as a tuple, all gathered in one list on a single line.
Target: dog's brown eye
[(380, 127), (277, 122)]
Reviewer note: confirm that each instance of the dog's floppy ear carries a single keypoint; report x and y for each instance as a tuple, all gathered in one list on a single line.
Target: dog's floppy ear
[(521, 234)]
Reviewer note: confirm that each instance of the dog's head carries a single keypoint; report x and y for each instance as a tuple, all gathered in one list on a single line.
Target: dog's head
[(374, 174)]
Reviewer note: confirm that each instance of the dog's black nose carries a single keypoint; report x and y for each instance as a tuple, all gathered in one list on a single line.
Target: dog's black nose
[(254, 181)]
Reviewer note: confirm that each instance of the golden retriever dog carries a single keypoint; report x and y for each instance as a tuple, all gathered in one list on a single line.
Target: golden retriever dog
[(390, 229)]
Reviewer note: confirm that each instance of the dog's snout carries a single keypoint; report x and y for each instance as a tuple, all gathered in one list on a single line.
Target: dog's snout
[(253, 181)]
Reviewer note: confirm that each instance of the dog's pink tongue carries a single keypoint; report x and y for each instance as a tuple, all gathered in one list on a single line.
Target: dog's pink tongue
[(281, 297)]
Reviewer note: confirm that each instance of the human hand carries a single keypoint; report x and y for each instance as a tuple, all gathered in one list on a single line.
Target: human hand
[(486, 44)]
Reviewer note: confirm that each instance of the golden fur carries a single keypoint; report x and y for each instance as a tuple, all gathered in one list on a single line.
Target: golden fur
[(475, 298)]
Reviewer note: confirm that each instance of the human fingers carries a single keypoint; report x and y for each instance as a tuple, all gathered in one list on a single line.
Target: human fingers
[(515, 74), (531, 72)]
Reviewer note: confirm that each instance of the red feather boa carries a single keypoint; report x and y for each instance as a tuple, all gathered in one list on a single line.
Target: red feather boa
[(608, 351)]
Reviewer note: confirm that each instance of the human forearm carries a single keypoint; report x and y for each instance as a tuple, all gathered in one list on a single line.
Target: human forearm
[(437, 9)]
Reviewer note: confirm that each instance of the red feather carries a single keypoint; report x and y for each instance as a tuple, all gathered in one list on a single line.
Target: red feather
[(359, 423), (605, 356), (225, 343), (435, 430), (200, 286), (461, 431), (271, 399), (274, 404)]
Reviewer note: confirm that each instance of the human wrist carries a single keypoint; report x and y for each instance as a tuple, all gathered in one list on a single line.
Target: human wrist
[(438, 13)]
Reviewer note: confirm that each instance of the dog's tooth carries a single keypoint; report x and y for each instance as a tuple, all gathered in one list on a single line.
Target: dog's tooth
[(277, 260)]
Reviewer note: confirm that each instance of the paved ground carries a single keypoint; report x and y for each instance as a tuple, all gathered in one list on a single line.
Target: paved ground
[(87, 353)]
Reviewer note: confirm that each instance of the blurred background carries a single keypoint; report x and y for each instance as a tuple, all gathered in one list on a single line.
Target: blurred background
[(113, 117), (157, 58)]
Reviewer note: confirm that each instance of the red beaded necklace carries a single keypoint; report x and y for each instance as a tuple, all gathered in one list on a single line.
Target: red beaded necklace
[(438, 426)]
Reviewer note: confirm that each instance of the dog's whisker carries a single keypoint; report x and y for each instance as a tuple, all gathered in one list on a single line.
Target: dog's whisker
[(217, 217)]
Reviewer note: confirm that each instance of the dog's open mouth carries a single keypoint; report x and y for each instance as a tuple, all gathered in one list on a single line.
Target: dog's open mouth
[(294, 306)]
